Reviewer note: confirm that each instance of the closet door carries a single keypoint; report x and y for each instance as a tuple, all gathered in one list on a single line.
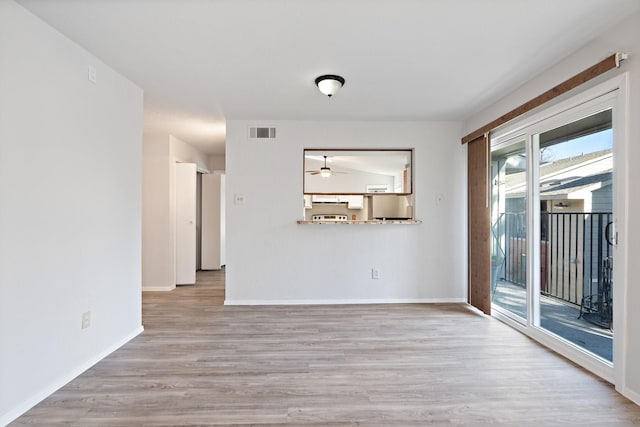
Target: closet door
[(185, 187), (479, 263)]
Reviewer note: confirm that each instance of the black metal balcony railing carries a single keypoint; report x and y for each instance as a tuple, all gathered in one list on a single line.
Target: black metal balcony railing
[(575, 259)]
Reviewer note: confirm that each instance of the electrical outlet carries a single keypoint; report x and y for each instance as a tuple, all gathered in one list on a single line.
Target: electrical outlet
[(239, 199), (375, 273), (86, 320)]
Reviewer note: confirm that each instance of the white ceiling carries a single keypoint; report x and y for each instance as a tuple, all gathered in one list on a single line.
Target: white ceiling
[(201, 62), (376, 161)]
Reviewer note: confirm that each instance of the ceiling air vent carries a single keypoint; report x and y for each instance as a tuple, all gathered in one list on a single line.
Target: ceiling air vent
[(262, 133)]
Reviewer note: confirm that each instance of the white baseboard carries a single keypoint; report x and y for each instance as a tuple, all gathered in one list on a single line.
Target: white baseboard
[(633, 396), (344, 301), (63, 380), (158, 288)]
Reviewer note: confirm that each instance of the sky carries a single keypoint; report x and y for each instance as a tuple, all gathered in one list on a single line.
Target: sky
[(583, 145)]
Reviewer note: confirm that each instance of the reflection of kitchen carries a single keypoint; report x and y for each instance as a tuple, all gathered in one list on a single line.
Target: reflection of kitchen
[(324, 207)]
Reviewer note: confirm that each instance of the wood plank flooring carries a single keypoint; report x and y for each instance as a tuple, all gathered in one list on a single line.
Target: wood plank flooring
[(201, 363)]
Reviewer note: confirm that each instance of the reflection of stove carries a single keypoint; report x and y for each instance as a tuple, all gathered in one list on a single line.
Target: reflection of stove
[(329, 218)]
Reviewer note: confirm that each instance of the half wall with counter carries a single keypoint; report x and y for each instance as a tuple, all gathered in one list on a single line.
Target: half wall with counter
[(358, 186)]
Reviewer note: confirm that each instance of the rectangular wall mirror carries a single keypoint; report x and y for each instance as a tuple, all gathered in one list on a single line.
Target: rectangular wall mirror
[(365, 171)]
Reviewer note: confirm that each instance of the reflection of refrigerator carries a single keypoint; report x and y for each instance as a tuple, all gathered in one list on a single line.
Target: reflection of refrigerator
[(390, 207)]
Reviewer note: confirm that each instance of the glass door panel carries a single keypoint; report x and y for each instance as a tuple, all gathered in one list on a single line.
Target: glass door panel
[(509, 229), (575, 188)]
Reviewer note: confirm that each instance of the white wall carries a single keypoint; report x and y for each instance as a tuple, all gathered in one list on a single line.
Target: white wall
[(70, 168), (624, 37), (158, 267), (217, 163), (185, 153), (271, 258), (160, 154)]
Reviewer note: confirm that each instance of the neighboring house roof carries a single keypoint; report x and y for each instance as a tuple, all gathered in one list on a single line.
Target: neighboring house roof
[(578, 185), (560, 165), (565, 176)]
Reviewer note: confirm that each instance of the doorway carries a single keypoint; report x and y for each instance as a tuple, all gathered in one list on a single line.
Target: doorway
[(553, 218), (575, 190), (200, 222)]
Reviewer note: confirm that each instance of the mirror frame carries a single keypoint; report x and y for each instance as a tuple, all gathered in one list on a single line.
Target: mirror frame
[(305, 151)]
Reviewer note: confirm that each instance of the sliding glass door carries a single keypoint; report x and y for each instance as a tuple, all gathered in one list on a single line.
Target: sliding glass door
[(509, 227), (552, 211), (574, 187)]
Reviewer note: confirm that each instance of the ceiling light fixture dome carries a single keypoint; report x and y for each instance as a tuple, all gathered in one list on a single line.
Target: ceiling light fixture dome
[(329, 84)]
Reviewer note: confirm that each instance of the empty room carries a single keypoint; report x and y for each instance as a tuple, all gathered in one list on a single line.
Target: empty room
[(240, 212)]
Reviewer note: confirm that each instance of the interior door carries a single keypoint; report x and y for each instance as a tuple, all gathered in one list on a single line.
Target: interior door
[(185, 186)]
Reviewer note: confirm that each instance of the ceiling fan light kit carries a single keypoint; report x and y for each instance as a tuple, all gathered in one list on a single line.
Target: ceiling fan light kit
[(329, 84), (325, 171)]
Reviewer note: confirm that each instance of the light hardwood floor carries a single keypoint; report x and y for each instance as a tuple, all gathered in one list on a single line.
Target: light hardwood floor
[(201, 363)]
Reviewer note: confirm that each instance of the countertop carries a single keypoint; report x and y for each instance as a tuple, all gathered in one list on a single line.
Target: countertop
[(375, 222)]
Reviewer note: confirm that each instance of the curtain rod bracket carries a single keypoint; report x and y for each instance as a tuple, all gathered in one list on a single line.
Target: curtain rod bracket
[(621, 56)]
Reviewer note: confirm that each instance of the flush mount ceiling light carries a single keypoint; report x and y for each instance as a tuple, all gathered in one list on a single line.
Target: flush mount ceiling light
[(329, 84)]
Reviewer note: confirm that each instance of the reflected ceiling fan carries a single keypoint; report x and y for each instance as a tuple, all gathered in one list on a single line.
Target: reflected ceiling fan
[(324, 171)]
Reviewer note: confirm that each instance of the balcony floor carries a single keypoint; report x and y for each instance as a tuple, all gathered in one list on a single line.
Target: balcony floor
[(559, 318)]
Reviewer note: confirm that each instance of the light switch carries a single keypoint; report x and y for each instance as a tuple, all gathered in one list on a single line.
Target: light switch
[(86, 320), (92, 74)]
